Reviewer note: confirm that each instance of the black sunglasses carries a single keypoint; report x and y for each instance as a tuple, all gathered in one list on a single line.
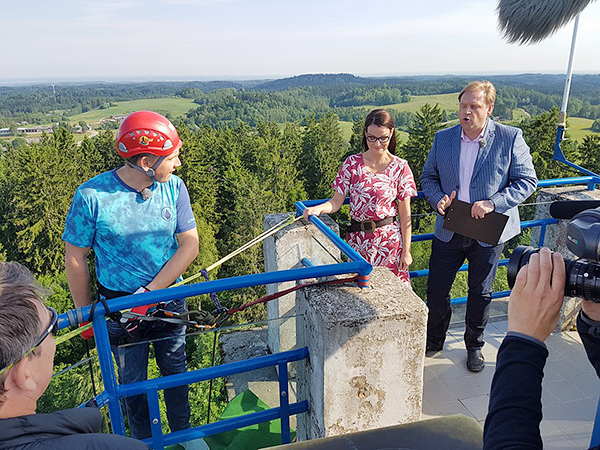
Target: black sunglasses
[(52, 329)]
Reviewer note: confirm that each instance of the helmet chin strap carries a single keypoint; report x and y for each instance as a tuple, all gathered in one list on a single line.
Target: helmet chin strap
[(151, 172)]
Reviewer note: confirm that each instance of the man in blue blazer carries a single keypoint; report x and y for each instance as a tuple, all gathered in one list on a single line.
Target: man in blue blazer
[(488, 165)]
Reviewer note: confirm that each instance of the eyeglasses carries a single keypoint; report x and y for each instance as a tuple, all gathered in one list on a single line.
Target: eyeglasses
[(52, 329), (382, 139)]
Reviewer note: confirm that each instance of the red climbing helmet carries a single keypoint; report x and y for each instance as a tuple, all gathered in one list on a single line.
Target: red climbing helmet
[(147, 132)]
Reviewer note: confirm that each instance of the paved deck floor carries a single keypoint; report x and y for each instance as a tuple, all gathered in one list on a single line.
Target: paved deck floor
[(570, 386)]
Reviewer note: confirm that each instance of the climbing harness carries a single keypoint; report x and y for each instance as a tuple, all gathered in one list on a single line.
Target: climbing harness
[(197, 319)]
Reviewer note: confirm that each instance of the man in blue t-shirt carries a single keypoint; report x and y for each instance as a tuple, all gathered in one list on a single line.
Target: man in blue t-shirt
[(139, 221)]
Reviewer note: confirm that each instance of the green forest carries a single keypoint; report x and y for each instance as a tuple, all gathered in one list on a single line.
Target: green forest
[(229, 103), (249, 149)]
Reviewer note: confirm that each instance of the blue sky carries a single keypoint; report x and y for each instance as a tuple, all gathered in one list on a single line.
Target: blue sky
[(232, 39)]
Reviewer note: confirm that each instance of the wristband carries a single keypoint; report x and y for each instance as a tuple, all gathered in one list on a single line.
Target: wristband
[(141, 290)]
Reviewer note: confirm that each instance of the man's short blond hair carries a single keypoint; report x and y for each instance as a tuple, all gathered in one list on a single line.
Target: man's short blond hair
[(488, 89)]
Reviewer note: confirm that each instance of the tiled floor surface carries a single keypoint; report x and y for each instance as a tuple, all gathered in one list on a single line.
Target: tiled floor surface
[(570, 387)]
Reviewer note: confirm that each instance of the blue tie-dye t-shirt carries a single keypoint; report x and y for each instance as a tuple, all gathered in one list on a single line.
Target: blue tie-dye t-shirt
[(132, 238)]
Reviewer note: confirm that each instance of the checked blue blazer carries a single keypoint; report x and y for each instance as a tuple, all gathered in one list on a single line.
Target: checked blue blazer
[(503, 174)]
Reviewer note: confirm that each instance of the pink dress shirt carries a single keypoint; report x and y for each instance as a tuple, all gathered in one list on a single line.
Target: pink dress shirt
[(469, 150)]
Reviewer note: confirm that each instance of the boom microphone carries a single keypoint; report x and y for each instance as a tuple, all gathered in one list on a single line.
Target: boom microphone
[(569, 209)]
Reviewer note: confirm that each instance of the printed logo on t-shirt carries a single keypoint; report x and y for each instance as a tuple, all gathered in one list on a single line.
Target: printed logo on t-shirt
[(167, 213)]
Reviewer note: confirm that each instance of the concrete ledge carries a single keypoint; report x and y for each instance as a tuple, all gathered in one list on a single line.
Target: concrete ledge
[(367, 349)]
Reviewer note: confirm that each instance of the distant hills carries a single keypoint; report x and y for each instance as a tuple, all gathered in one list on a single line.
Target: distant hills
[(316, 79), (545, 83), (226, 103)]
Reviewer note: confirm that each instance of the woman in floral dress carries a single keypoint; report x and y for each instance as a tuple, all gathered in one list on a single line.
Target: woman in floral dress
[(380, 186)]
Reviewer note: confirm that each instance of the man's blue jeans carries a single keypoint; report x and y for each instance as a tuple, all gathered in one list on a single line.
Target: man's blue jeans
[(445, 260), (132, 364)]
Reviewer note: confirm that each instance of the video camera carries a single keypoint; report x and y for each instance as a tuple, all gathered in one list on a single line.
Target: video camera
[(583, 239)]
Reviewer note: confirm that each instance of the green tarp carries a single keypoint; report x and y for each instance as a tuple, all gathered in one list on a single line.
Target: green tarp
[(252, 437)]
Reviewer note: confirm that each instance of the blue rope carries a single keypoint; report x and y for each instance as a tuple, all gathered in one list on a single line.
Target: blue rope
[(213, 295)]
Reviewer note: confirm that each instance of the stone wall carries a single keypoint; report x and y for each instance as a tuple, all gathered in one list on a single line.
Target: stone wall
[(366, 345)]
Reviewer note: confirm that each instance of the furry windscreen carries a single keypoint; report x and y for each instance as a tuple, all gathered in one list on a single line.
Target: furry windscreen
[(532, 21)]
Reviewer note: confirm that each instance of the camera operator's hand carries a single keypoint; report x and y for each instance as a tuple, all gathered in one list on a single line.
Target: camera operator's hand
[(537, 295), (591, 309)]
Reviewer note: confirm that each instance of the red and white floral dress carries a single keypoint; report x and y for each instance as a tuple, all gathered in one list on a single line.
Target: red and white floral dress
[(372, 197)]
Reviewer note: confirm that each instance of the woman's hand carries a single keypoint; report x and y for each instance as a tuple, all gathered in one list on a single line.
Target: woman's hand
[(330, 206), (405, 260), (312, 211)]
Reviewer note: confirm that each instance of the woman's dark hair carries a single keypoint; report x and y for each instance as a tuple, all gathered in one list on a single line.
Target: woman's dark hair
[(381, 118)]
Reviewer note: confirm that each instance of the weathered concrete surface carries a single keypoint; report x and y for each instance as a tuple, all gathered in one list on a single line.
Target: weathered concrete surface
[(556, 238), (247, 344), (367, 349), (240, 346), (284, 250)]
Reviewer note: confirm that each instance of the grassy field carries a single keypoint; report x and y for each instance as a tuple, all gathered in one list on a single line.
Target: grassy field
[(579, 127), (346, 128), (177, 107), (448, 102), (520, 114)]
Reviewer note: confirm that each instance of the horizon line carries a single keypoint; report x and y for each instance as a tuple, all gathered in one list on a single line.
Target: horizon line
[(10, 82)]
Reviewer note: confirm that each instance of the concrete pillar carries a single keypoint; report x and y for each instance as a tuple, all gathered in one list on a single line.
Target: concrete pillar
[(284, 250), (555, 238), (367, 351)]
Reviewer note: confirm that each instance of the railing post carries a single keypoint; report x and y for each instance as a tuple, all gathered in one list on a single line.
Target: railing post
[(107, 369), (154, 415), (285, 250), (284, 402)]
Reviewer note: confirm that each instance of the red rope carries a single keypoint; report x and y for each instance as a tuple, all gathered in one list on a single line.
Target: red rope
[(287, 291)]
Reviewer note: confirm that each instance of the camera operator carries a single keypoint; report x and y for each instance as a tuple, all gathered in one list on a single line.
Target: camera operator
[(515, 409)]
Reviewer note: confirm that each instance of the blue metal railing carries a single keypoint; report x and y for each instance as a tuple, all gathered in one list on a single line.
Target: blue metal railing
[(560, 156), (342, 245), (114, 392)]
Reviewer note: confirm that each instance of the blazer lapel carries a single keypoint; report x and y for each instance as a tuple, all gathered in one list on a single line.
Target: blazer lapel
[(488, 138), (454, 156)]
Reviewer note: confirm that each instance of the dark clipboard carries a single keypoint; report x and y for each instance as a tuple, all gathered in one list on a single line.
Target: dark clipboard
[(488, 229)]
